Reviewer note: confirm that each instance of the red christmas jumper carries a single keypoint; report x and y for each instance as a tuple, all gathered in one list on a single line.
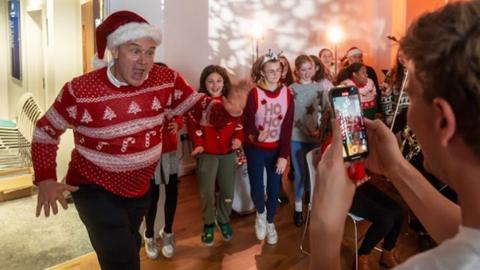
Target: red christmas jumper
[(117, 130), (215, 141)]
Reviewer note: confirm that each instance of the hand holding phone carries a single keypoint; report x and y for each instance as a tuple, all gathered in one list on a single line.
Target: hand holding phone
[(347, 111)]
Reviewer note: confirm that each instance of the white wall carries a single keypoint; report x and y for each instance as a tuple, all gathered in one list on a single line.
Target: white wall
[(184, 25), (64, 61), (186, 37), (198, 33), (64, 50), (296, 27), (34, 69)]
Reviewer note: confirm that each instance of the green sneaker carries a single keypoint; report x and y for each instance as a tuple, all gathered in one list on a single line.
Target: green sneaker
[(226, 230), (207, 235)]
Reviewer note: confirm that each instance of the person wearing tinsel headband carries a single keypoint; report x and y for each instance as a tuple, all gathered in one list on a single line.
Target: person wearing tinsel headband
[(268, 120)]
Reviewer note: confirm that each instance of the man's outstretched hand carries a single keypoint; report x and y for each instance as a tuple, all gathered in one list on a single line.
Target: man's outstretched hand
[(237, 97), (49, 193)]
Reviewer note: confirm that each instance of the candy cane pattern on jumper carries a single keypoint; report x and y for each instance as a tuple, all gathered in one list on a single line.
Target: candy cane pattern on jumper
[(100, 145), (147, 137), (126, 142)]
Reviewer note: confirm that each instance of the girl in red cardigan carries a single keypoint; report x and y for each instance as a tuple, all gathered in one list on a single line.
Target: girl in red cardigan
[(216, 158)]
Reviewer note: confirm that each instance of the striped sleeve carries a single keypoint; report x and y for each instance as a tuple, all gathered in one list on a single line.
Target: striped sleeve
[(48, 129)]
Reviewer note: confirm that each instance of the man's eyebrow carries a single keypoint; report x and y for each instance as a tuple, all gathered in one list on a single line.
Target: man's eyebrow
[(138, 45)]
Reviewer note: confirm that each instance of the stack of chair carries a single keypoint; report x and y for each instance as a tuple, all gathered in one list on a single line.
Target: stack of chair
[(16, 137)]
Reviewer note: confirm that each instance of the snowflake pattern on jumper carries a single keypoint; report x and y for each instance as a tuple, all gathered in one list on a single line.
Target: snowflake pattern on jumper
[(72, 112), (169, 102), (156, 105), (177, 94), (86, 118), (134, 108), (49, 130), (109, 114)]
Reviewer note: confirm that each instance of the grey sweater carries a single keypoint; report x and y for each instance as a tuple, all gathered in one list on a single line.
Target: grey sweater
[(310, 100)]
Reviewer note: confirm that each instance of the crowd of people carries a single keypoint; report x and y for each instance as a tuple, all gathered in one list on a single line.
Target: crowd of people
[(125, 118)]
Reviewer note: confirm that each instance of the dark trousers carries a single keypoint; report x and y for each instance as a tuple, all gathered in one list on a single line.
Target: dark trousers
[(170, 207), (112, 223), (258, 160), (385, 214)]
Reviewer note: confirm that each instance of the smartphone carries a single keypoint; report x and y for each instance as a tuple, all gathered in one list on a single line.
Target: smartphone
[(347, 110)]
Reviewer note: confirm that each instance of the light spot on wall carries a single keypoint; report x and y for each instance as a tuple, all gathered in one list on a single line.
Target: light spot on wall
[(291, 26)]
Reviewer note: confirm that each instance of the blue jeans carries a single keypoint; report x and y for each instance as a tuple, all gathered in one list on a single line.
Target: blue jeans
[(257, 160), (301, 182)]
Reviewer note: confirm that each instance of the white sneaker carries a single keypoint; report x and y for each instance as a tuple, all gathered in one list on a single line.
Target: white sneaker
[(168, 244), (151, 248), (260, 225), (272, 236)]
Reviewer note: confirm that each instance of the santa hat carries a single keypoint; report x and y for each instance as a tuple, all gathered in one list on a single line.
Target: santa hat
[(119, 28)]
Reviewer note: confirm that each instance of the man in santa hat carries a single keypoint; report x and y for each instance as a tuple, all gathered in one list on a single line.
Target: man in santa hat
[(117, 114), (355, 55)]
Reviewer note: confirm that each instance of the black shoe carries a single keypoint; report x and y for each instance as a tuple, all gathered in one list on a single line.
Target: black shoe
[(297, 218)]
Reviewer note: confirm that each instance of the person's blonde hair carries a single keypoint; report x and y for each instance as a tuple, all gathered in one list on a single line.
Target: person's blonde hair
[(302, 59), (445, 48)]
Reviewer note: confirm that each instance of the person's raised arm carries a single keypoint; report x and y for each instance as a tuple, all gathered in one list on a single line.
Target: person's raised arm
[(332, 198), (185, 99), (440, 216)]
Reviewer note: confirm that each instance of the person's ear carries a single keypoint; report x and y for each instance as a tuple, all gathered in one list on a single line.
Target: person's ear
[(445, 120), (115, 53)]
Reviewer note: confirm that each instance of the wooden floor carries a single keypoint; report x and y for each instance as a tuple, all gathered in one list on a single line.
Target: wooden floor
[(244, 251)]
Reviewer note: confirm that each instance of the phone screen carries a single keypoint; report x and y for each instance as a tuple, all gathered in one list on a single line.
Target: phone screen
[(348, 111)]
